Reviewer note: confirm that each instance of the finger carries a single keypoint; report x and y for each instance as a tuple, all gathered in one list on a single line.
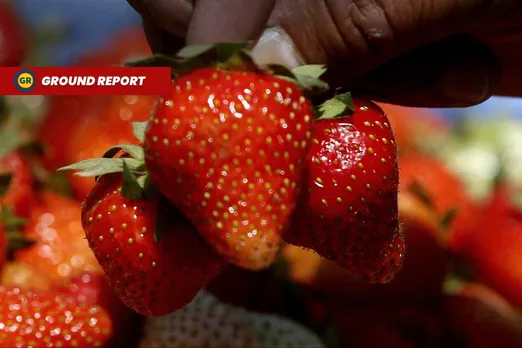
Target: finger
[(455, 72), (276, 47), (161, 40), (172, 15), (228, 20), (510, 82)]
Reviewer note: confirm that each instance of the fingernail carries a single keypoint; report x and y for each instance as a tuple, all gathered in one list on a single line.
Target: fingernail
[(276, 47), (466, 84)]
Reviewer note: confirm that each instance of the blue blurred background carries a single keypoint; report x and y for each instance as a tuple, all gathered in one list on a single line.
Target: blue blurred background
[(90, 22)]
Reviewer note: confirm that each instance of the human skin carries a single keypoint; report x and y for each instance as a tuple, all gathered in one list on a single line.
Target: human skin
[(431, 53)]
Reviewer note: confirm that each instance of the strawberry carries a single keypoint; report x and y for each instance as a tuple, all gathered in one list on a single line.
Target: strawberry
[(13, 38), (477, 322), (348, 210), (493, 250), (30, 319), (488, 296), (18, 195), (207, 322), (109, 127), (419, 281), (226, 147), (19, 275), (440, 189), (152, 278), (61, 121), (61, 250), (93, 289)]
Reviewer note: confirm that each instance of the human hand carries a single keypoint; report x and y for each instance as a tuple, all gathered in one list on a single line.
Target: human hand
[(434, 53)]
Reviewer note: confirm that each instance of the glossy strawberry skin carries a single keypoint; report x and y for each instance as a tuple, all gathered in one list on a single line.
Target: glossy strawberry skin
[(226, 148), (93, 289), (348, 210), (31, 319), (151, 278), (20, 194)]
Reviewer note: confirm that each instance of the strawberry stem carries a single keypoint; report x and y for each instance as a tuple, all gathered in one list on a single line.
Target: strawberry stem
[(131, 187)]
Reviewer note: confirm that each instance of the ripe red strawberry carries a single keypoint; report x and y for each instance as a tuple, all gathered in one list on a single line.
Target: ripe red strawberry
[(19, 196), (348, 210), (431, 179), (153, 278), (493, 249), (61, 250), (93, 289), (30, 319), (13, 38), (227, 148)]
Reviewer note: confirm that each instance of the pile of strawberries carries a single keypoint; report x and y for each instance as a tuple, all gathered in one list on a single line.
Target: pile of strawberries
[(247, 208)]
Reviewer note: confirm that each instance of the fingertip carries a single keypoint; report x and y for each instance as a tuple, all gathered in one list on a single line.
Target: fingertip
[(228, 21)]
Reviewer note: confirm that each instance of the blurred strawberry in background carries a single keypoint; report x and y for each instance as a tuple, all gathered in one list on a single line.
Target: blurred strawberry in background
[(494, 251), (436, 187), (61, 250), (59, 128), (415, 128), (477, 317), (13, 36), (461, 285)]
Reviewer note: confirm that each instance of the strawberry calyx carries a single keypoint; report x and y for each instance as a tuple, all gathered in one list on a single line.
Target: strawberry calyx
[(234, 57), (340, 105), (129, 160)]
